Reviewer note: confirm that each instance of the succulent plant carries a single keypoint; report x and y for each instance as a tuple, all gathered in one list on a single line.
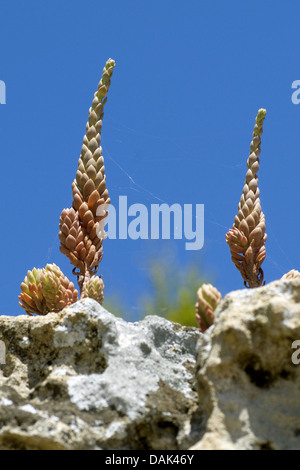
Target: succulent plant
[(94, 289), (81, 228), (31, 297), (80, 237), (247, 238), (293, 274), (58, 291), (208, 299), (46, 290)]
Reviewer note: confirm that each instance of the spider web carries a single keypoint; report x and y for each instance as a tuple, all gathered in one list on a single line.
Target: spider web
[(136, 186)]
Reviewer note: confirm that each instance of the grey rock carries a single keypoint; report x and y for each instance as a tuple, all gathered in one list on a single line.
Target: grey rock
[(85, 379), (247, 380)]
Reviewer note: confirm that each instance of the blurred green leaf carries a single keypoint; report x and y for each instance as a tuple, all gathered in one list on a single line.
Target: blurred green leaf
[(174, 291)]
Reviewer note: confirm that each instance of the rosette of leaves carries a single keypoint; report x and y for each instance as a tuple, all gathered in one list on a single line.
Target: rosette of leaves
[(46, 290), (293, 274), (81, 226), (94, 289), (208, 298), (247, 238)]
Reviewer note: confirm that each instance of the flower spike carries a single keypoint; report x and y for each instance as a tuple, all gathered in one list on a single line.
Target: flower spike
[(80, 235), (247, 238)]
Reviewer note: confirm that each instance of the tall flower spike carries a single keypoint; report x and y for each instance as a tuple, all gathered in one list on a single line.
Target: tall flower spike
[(81, 233), (208, 299), (247, 238)]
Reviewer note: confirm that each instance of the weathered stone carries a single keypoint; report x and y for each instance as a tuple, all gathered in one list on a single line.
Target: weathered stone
[(84, 379), (247, 381)]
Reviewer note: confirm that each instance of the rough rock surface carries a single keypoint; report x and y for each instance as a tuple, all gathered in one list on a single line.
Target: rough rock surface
[(248, 381), (84, 379)]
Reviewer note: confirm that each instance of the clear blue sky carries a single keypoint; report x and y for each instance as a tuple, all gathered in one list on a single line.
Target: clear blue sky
[(189, 79)]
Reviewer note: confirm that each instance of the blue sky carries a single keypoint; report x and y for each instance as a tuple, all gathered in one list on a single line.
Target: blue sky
[(189, 79)]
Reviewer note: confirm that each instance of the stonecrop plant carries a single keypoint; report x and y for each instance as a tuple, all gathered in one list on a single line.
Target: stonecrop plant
[(81, 227), (208, 298), (247, 238)]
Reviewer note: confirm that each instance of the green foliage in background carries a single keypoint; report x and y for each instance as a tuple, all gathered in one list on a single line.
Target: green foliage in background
[(173, 291), (113, 305)]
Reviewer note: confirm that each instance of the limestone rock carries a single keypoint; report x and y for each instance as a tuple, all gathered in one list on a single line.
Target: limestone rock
[(248, 372), (85, 379)]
